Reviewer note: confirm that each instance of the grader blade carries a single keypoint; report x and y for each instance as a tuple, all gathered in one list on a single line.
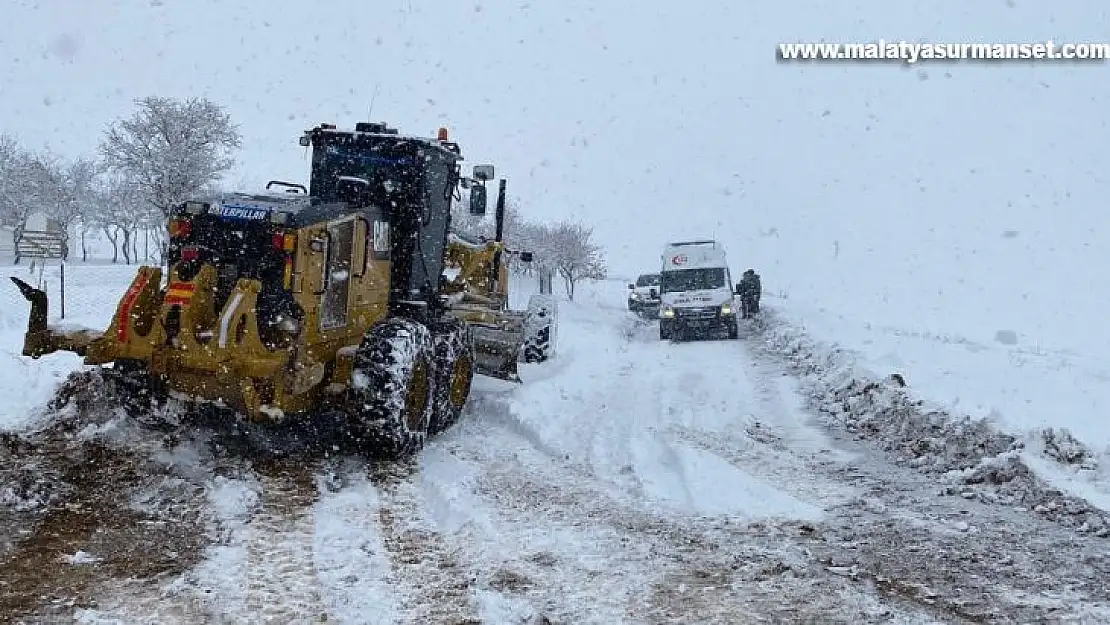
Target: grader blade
[(495, 351)]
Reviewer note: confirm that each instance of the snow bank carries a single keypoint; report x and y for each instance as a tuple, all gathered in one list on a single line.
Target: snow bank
[(1007, 378), (976, 456)]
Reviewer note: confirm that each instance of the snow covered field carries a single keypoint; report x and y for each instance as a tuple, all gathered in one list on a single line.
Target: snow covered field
[(626, 481), (1014, 381)]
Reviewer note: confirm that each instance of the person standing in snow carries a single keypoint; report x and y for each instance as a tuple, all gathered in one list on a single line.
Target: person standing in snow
[(749, 289)]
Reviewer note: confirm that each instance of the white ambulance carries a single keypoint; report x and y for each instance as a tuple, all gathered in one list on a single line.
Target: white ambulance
[(695, 291)]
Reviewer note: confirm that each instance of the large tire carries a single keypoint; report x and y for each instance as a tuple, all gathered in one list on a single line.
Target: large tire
[(454, 358), (393, 388), (539, 329)]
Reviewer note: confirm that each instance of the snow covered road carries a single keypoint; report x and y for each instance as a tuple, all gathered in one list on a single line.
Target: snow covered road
[(626, 481)]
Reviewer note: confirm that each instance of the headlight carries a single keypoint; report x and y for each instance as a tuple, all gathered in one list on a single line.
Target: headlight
[(726, 308), (668, 312), (637, 295)]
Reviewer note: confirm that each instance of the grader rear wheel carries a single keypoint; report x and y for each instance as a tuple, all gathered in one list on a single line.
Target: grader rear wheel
[(461, 378), (393, 388), (416, 401), (454, 372)]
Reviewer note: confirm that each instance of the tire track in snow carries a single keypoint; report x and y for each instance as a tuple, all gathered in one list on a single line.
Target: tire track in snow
[(950, 560), (440, 588), (281, 583), (638, 565), (530, 545), (846, 568), (653, 564)]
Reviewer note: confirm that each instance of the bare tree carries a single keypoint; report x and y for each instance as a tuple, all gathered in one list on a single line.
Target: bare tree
[(80, 182), (171, 149)]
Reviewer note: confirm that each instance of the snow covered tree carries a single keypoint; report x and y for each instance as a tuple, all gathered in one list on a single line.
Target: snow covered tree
[(79, 184), (171, 149), (570, 250), (10, 156), (485, 226), (462, 222), (18, 198), (565, 248), (120, 209), (38, 189), (64, 189)]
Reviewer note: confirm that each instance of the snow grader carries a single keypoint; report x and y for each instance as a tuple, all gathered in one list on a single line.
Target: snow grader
[(332, 298)]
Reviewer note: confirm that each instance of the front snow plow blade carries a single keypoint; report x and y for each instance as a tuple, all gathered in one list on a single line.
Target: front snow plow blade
[(496, 335), (496, 348)]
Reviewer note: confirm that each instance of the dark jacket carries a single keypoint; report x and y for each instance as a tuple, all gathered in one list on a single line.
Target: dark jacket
[(750, 286)]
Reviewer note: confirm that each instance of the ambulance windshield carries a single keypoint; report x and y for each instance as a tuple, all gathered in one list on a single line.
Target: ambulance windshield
[(693, 279)]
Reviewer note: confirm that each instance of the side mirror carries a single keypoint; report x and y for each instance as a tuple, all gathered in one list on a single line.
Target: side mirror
[(526, 257), (477, 200), (483, 172), (631, 286), (738, 288)]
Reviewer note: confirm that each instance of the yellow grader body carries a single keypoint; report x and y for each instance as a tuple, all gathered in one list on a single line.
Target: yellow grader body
[(218, 353)]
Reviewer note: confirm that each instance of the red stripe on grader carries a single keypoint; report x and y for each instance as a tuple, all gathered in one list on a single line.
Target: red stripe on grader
[(182, 286), (128, 303), (177, 301)]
